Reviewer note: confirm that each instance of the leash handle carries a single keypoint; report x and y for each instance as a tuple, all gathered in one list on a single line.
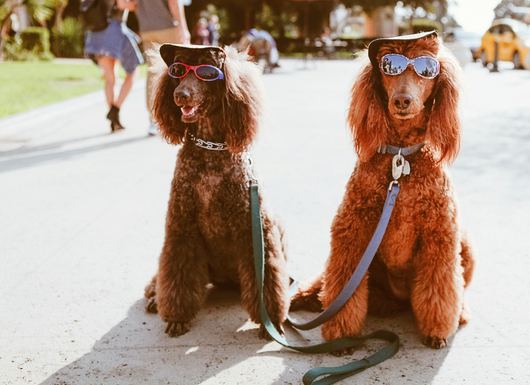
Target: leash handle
[(320, 375)]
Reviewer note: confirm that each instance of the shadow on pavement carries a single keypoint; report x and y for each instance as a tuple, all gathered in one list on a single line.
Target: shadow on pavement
[(46, 147), (221, 348), (136, 350), (15, 162)]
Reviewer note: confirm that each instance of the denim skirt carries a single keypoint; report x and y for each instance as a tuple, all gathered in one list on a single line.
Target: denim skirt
[(117, 41)]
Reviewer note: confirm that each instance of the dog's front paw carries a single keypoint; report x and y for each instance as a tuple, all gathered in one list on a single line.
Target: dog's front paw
[(175, 329), (434, 342), (151, 306)]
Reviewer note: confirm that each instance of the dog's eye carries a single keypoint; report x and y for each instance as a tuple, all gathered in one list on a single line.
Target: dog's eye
[(207, 72), (177, 70)]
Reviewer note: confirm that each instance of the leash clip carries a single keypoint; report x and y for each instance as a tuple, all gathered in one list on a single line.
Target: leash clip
[(400, 166), (392, 184), (252, 178)]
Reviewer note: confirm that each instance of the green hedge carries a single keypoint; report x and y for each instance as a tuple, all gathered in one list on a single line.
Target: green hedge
[(67, 40), (33, 43), (36, 39)]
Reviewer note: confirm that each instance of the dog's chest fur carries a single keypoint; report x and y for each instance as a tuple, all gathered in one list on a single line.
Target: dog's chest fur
[(219, 183), (397, 251), (425, 187)]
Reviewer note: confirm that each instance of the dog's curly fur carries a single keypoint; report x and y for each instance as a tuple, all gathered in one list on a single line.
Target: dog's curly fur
[(423, 260), (208, 228)]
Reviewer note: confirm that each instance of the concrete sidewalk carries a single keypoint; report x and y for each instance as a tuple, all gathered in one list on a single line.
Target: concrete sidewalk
[(82, 217)]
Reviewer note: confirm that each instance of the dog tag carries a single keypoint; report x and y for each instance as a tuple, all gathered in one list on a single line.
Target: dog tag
[(397, 166), (406, 168)]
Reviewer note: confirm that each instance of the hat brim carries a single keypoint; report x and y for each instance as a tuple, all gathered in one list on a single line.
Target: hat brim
[(170, 51), (374, 45)]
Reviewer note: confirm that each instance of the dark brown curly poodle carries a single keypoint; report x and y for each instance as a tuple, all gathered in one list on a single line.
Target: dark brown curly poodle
[(423, 261), (208, 228)]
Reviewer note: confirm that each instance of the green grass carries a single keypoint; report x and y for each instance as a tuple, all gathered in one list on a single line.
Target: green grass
[(27, 85)]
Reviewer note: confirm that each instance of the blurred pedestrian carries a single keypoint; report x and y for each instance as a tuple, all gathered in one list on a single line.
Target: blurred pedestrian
[(161, 21), (262, 47), (213, 29), (201, 33), (326, 38), (106, 47)]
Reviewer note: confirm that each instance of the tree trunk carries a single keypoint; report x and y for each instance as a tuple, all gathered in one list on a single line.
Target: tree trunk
[(380, 22), (58, 22)]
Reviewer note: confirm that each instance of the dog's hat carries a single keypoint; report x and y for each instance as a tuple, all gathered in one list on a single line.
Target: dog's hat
[(374, 45), (171, 51)]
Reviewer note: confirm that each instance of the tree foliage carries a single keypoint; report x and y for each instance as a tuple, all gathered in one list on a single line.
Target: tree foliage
[(505, 8), (370, 5)]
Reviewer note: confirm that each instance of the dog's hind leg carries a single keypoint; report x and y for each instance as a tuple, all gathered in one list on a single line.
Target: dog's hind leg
[(468, 260), (276, 279), (468, 265)]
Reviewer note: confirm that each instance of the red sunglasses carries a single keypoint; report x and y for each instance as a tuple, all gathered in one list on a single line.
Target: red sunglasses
[(204, 72)]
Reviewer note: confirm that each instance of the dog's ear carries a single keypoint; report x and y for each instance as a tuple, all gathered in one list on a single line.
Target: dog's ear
[(443, 128), (367, 116), (241, 102), (166, 113)]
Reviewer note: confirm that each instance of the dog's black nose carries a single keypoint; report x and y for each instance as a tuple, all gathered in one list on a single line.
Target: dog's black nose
[(402, 101)]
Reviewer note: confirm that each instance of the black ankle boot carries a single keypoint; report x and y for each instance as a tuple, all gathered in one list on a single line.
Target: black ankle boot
[(114, 116)]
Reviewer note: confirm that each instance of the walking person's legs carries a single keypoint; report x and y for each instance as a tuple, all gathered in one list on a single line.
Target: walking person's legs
[(106, 63), (125, 88)]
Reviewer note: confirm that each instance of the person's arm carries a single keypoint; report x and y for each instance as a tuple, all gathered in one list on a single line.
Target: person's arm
[(176, 7)]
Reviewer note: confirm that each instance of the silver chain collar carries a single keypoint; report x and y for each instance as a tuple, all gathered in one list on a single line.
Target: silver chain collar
[(213, 146)]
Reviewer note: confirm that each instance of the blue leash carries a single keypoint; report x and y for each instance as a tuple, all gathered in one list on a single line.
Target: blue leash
[(330, 375), (360, 270)]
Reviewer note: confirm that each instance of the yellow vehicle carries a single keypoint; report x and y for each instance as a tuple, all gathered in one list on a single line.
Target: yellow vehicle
[(513, 38)]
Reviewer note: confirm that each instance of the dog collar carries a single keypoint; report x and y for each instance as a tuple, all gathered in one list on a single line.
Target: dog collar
[(394, 150), (213, 146), (400, 166)]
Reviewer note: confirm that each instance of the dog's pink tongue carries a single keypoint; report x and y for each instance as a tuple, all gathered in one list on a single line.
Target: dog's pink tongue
[(187, 110)]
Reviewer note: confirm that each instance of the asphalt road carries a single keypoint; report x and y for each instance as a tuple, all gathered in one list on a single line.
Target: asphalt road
[(81, 226)]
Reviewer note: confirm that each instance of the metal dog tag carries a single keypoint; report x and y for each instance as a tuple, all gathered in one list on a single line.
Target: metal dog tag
[(397, 166), (406, 168)]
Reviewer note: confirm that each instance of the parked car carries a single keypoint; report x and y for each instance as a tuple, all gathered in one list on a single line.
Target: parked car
[(460, 37), (513, 38)]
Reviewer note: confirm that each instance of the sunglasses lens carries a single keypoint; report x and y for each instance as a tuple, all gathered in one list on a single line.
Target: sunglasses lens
[(177, 70), (393, 64), (427, 67), (207, 72)]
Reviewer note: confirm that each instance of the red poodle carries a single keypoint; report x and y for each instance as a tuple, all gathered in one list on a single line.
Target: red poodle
[(406, 96)]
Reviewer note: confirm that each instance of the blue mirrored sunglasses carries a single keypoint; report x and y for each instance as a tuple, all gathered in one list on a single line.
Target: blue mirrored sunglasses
[(394, 64)]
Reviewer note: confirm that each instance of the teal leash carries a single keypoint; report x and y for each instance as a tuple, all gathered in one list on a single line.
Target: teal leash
[(324, 375)]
